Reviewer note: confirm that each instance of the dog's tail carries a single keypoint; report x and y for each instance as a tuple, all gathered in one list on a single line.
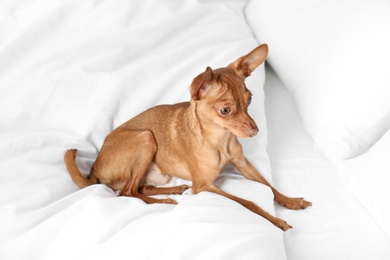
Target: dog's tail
[(77, 177)]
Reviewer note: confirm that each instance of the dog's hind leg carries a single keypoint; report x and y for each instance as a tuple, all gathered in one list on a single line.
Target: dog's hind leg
[(154, 178), (143, 193), (139, 147), (152, 190)]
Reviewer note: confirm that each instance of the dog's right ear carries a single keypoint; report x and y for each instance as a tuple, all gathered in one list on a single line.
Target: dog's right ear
[(246, 64), (200, 85)]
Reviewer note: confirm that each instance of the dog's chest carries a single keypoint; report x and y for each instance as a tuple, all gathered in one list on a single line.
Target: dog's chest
[(197, 161)]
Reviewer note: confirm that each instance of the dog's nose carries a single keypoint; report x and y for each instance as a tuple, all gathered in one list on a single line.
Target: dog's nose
[(251, 130)]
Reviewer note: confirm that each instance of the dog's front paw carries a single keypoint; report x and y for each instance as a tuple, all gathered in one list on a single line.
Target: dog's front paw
[(293, 203), (283, 225)]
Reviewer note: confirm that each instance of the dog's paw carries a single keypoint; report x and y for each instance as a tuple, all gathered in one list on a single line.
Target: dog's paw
[(183, 188), (293, 203), (180, 189), (169, 201), (283, 225)]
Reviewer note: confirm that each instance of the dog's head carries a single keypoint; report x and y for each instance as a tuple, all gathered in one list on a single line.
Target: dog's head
[(222, 97)]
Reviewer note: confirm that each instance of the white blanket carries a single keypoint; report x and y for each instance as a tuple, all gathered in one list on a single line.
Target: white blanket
[(70, 72)]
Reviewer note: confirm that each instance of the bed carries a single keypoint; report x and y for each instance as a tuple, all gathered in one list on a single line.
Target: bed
[(72, 71)]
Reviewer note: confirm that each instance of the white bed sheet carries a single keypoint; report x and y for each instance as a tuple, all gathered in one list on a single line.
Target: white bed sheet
[(367, 177), (71, 71), (337, 226)]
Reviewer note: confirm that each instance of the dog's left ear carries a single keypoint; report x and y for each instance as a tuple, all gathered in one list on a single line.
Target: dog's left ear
[(245, 65), (201, 84)]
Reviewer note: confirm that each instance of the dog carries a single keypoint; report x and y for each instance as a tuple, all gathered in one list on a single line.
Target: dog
[(191, 140)]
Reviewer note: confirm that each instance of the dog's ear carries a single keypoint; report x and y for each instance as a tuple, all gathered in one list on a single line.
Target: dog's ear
[(246, 64), (200, 85)]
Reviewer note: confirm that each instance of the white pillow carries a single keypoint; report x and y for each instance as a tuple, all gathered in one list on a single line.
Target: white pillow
[(333, 57), (367, 177)]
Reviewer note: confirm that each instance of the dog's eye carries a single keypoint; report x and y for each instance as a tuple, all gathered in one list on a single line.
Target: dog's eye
[(249, 100), (225, 111)]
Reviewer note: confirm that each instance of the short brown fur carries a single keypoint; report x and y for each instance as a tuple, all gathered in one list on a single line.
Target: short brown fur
[(192, 140)]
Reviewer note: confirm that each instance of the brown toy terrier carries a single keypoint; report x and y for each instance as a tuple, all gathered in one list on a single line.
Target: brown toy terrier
[(160, 142)]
